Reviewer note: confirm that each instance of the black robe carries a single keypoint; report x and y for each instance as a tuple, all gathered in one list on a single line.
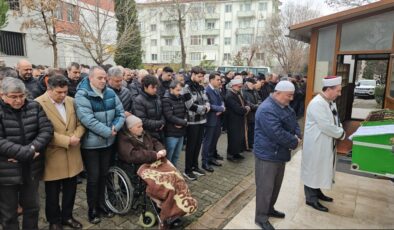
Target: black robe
[(236, 114)]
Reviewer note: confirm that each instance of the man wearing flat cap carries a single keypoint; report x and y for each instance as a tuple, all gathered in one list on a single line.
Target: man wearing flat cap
[(322, 129), (276, 134)]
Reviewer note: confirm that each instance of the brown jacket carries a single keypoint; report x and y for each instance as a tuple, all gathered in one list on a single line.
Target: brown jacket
[(62, 160), (131, 150)]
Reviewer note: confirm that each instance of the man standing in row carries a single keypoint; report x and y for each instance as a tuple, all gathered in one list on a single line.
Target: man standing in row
[(322, 129), (25, 131), (198, 106), (115, 79), (24, 68), (276, 134), (101, 112), (63, 161), (213, 125)]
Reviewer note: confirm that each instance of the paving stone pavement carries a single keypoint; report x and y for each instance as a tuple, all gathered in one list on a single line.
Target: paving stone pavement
[(208, 190)]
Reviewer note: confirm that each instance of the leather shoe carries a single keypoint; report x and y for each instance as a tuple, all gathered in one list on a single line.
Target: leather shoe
[(266, 225), (72, 223), (276, 214), (93, 216), (218, 157), (176, 223), (215, 163), (325, 198), (208, 168), (233, 159), (316, 205), (55, 227)]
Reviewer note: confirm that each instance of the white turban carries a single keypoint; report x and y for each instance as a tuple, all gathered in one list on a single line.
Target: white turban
[(286, 86), (236, 81), (332, 81)]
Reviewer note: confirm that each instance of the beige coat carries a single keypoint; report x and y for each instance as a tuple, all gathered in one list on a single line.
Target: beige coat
[(62, 160)]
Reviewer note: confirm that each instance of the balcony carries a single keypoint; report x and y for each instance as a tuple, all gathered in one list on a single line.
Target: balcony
[(246, 14), (169, 33), (205, 32), (170, 48), (245, 31), (212, 16)]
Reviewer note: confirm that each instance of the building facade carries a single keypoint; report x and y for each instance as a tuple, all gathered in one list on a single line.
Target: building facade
[(32, 44), (213, 30)]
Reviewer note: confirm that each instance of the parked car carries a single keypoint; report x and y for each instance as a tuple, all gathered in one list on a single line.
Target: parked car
[(365, 88)]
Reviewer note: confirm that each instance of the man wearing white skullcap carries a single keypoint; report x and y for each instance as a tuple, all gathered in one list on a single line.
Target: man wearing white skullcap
[(322, 129), (276, 134), (237, 109)]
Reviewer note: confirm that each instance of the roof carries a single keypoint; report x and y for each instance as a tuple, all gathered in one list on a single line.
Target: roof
[(303, 31)]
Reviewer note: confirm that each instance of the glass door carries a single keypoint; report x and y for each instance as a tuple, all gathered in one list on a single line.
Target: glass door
[(389, 96)]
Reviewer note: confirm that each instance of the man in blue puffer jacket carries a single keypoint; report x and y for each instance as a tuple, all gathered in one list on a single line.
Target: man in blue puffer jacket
[(276, 134), (101, 112)]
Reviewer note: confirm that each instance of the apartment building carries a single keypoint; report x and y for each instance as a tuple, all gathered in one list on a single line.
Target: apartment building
[(16, 43), (214, 30)]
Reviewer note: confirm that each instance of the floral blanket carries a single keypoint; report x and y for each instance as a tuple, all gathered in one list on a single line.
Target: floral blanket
[(167, 187)]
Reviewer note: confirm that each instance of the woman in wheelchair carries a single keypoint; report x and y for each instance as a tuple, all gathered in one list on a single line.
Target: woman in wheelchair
[(165, 185)]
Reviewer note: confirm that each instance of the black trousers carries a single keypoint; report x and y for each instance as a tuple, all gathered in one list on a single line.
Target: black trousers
[(251, 134), (97, 162), (211, 137), (312, 194), (26, 195), (269, 177), (68, 187), (194, 135)]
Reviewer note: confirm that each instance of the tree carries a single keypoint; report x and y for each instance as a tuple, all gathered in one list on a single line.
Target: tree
[(3, 13), (41, 15), (207, 64), (128, 54), (348, 3), (238, 59), (289, 53)]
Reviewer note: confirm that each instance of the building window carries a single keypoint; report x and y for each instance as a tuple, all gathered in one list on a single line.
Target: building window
[(260, 24), (210, 9), (153, 27), (169, 55), (246, 7), (70, 12), (263, 6), (169, 41), (154, 57), (227, 25), (210, 25), (226, 57), (195, 40), (153, 42), (228, 8), (260, 56), (195, 56), (13, 4), (227, 41), (210, 41), (244, 39), (59, 11), (12, 44), (245, 23)]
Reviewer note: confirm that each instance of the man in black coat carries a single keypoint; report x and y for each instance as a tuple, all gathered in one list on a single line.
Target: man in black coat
[(147, 106), (25, 69), (74, 77), (237, 109), (25, 131), (252, 99), (135, 87), (165, 80), (115, 79)]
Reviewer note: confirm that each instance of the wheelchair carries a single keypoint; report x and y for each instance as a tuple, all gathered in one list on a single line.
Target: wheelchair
[(125, 190)]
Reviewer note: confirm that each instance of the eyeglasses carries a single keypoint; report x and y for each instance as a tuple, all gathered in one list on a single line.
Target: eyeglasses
[(15, 97)]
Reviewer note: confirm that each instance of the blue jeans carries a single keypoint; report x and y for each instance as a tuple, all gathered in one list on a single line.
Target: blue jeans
[(174, 148)]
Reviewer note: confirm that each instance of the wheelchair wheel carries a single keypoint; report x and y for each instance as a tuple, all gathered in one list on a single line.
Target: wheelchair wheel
[(118, 191), (147, 220)]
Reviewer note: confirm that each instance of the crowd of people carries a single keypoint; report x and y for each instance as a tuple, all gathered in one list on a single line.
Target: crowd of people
[(55, 123)]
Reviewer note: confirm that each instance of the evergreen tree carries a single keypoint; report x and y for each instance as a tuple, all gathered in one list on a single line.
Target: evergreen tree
[(3, 13), (128, 52)]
